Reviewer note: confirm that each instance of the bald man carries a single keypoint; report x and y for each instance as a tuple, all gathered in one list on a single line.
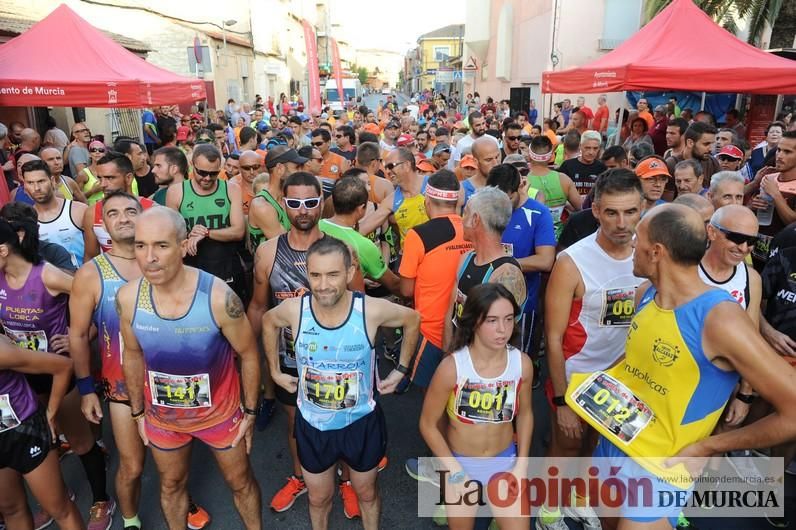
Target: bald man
[(77, 151), (66, 187), (251, 164), (701, 342), (487, 155), (30, 141), (698, 203)]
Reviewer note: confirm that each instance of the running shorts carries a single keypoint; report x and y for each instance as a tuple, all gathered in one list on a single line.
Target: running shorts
[(26, 446), (218, 436)]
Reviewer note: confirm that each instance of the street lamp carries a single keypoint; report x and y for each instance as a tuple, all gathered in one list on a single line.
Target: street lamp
[(225, 23)]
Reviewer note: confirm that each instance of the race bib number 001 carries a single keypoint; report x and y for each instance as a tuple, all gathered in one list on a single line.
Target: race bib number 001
[(330, 390), (482, 403), (618, 306), (180, 391), (613, 405), (30, 340), (8, 418)]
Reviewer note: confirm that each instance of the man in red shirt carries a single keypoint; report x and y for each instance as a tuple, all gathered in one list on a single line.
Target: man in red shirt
[(600, 121), (586, 110)]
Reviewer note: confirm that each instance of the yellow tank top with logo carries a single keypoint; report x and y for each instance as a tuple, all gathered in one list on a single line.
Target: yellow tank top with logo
[(409, 211), (665, 394)]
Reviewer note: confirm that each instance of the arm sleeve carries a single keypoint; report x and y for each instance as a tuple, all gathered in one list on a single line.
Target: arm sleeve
[(412, 255), (372, 260)]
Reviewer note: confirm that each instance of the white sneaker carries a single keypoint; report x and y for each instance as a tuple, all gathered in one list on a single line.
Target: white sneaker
[(584, 515)]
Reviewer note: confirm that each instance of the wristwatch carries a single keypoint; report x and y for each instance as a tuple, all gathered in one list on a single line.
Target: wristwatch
[(402, 369), (745, 398), (559, 401)]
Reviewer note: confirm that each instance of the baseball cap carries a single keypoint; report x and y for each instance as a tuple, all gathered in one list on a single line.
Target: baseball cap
[(304, 117), (281, 154), (263, 127), (469, 161), (393, 125), (372, 128), (196, 116), (732, 151), (651, 167), (182, 133), (440, 148), (404, 139), (425, 166)]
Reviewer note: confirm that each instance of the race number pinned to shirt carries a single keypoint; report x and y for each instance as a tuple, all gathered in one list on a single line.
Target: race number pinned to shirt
[(330, 390), (180, 391), (8, 418), (762, 247), (619, 304), (612, 405), (486, 402), (458, 306), (35, 340)]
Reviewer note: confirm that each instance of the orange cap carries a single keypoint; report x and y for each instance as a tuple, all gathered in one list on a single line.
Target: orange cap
[(651, 167), (372, 128), (469, 161)]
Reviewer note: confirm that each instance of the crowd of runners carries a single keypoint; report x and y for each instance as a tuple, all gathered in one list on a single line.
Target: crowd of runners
[(240, 261)]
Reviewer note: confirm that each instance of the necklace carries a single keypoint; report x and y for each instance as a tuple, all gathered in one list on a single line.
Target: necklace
[(118, 256)]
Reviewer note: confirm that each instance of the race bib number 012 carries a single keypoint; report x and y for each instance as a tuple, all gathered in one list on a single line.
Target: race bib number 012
[(330, 390), (611, 404), (180, 391), (618, 306), (493, 403)]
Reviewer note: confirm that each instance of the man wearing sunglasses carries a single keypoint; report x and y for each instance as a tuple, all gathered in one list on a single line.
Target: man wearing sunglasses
[(76, 153), (345, 140), (251, 163), (267, 216), (213, 211), (512, 133), (333, 165)]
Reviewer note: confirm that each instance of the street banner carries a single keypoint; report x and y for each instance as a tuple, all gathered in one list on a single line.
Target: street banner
[(312, 68), (338, 72)]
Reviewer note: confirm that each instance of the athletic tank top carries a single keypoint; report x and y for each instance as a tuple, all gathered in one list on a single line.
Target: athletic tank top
[(211, 211), (598, 322), (17, 400), (409, 211), (477, 399), (469, 190), (91, 181), (554, 196), (30, 316), (288, 279), (63, 231), (102, 235), (665, 394), (256, 235), (470, 275), (109, 339), (63, 187), (191, 379), (737, 284), (336, 366)]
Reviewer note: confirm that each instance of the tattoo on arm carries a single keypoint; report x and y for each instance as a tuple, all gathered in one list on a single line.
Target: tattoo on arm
[(513, 280), (118, 306), (233, 305)]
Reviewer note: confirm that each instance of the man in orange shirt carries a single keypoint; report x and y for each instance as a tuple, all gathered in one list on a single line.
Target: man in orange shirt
[(333, 165), (251, 164), (431, 255), (644, 112)]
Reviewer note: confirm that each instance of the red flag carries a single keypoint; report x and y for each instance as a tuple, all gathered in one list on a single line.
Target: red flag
[(338, 72), (312, 67)]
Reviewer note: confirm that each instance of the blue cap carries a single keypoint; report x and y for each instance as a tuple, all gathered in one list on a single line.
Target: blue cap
[(263, 127), (304, 117)]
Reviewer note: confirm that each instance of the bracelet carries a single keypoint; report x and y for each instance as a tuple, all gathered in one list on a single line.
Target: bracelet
[(559, 401), (402, 369), (138, 415), (250, 412), (745, 398), (86, 385)]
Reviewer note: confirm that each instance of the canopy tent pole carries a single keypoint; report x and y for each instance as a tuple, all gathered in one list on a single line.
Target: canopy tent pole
[(702, 105)]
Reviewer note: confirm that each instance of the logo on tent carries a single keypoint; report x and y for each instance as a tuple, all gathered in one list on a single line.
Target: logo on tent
[(112, 96)]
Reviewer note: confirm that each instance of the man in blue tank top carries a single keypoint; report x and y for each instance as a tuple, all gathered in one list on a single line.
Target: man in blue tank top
[(182, 329), (338, 382)]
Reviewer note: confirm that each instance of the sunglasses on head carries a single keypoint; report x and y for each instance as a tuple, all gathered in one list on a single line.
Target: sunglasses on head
[(97, 150), (204, 173), (309, 204), (735, 237)]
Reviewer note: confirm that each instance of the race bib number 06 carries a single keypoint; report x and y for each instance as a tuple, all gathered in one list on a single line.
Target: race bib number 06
[(611, 404), (180, 391), (330, 390), (618, 306)]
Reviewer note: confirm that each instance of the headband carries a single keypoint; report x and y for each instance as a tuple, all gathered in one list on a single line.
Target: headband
[(441, 195), (544, 157)]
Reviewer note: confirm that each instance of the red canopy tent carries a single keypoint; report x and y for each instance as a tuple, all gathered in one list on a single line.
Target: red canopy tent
[(680, 49), (85, 69)]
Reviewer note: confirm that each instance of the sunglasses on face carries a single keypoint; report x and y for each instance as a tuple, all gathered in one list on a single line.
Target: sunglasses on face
[(725, 158), (203, 141), (204, 173), (512, 138), (96, 150), (309, 204), (338, 135), (392, 165), (249, 168), (317, 144), (735, 237), (79, 131)]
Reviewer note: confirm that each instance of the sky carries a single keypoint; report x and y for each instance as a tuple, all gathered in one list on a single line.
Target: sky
[(395, 25)]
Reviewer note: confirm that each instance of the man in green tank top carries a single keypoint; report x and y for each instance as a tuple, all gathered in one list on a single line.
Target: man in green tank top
[(267, 218), (213, 213), (558, 189)]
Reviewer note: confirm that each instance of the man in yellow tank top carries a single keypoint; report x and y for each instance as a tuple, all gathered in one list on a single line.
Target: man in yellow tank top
[(688, 344)]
